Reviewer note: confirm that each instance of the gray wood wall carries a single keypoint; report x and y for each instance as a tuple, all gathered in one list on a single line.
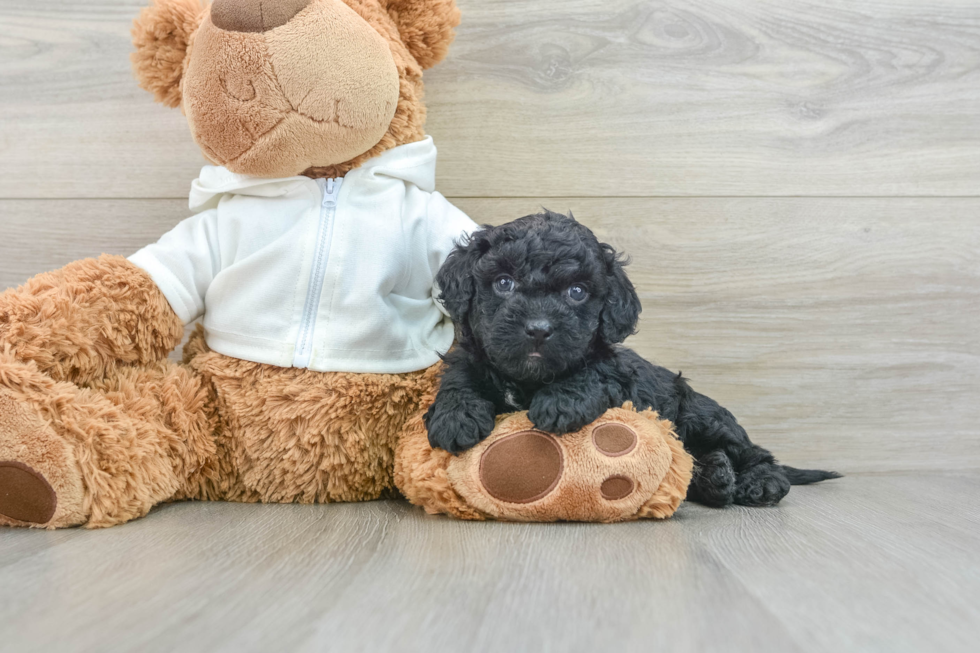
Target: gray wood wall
[(798, 184)]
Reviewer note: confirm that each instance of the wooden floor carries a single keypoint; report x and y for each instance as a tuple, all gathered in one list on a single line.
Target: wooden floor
[(867, 563), (798, 185)]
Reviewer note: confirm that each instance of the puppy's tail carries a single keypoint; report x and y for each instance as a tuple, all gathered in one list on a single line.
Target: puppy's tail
[(807, 476)]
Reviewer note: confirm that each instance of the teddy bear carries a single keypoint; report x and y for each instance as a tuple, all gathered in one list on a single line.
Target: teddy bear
[(310, 259)]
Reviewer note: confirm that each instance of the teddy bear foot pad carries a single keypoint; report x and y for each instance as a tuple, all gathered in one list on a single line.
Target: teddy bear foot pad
[(25, 495), (607, 471), (40, 483), (525, 467)]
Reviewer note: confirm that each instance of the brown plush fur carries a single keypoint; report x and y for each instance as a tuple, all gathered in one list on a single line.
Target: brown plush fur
[(87, 399), (134, 436), (323, 88), (81, 322), (274, 104), (442, 483), (426, 27), (673, 487), (421, 472), (29, 440), (408, 123), (254, 15), (115, 430), (122, 438), (293, 436), (162, 36), (88, 402)]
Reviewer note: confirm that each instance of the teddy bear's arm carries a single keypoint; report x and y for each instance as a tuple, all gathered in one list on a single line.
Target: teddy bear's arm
[(78, 322)]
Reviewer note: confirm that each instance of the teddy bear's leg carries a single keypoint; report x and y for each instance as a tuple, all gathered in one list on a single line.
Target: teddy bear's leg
[(290, 435), (625, 465), (79, 323), (100, 455), (40, 481)]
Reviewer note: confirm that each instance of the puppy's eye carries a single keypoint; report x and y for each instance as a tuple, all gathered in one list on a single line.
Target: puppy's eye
[(578, 293), (503, 284)]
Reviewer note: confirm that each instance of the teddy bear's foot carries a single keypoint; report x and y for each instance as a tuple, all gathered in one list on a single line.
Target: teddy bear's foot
[(25, 495), (40, 482), (527, 466), (615, 469)]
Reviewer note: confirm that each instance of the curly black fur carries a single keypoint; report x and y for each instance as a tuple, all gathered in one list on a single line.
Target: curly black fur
[(540, 307)]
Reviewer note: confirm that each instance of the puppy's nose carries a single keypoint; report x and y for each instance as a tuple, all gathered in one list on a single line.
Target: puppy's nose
[(254, 15), (538, 330)]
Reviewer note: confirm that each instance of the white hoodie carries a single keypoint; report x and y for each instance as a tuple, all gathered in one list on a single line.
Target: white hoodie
[(332, 275)]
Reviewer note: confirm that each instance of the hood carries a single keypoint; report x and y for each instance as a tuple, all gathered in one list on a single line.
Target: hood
[(414, 163)]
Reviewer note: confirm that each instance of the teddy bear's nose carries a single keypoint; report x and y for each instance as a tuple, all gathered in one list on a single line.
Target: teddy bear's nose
[(254, 15)]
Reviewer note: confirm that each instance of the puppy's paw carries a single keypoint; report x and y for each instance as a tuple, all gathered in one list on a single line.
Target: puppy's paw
[(762, 485), (714, 480), (553, 411), (459, 426)]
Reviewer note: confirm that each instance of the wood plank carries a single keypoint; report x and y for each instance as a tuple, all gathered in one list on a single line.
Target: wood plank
[(566, 97), (841, 332), (836, 330), (42, 235), (376, 576), (868, 553), (863, 563)]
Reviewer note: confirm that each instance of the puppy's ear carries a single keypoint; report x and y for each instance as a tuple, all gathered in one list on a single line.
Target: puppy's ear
[(161, 35), (622, 308), (455, 278)]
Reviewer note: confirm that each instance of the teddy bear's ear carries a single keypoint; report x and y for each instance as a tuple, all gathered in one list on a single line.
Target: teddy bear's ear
[(426, 27), (161, 35)]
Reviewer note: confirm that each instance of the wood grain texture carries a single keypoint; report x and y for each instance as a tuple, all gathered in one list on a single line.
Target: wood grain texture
[(565, 97), (863, 563), (841, 332)]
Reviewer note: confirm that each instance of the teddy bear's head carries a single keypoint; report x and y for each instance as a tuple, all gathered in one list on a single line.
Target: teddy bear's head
[(275, 88)]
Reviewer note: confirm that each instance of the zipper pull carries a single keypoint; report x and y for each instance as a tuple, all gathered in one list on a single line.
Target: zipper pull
[(331, 189)]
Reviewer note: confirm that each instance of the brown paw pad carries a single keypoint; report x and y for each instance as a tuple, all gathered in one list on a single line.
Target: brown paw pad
[(25, 495), (616, 487), (522, 467), (609, 471), (614, 439)]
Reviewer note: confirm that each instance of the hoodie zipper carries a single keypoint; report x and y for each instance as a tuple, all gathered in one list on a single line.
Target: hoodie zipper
[(324, 233)]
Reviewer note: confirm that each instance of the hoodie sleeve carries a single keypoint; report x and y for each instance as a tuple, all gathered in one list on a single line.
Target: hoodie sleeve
[(183, 263), (447, 225)]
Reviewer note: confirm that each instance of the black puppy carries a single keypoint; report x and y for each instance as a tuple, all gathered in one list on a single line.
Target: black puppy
[(540, 305)]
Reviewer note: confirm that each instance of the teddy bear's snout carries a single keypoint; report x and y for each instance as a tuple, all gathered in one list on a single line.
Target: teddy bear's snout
[(319, 90), (254, 15)]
